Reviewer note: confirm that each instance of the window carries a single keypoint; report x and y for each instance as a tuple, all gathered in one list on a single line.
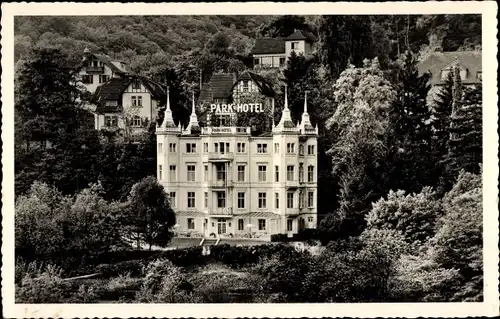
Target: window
[(277, 199), (295, 45), (310, 219), (310, 173), (111, 102), (261, 148), (136, 85), (190, 147), (160, 172), (137, 101), (160, 147), (276, 174), (103, 78), (276, 148), (206, 199), (241, 200), (301, 149), (191, 200), (245, 85), (110, 120), (173, 175), (262, 173), (479, 75), (310, 149), (262, 200), (301, 172), (289, 200), (205, 173), (222, 148), (87, 79), (262, 224), (136, 121), (221, 199), (282, 62), (190, 223), (171, 197), (221, 171), (301, 200), (205, 147), (191, 173), (241, 147), (172, 147), (289, 225), (216, 147), (463, 74), (241, 173), (289, 172), (241, 224), (290, 148), (310, 199), (444, 74), (256, 61)]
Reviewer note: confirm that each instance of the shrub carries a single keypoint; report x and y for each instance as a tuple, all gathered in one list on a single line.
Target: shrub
[(279, 238), (131, 267), (123, 287)]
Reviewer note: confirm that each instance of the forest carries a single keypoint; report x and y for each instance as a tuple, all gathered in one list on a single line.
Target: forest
[(399, 180)]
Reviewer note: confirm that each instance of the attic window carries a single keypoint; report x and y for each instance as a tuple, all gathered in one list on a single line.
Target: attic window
[(245, 85), (136, 85), (295, 45)]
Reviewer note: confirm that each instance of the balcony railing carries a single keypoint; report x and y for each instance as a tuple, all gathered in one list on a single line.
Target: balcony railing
[(225, 211), (94, 69), (220, 156), (221, 183), (292, 211)]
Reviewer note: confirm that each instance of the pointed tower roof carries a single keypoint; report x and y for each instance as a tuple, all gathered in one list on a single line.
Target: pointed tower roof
[(168, 120), (286, 119), (305, 123), (193, 126)]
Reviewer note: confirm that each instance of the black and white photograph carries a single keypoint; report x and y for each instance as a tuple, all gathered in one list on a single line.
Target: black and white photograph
[(237, 158)]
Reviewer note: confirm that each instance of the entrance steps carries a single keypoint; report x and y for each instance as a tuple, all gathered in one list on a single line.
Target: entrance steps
[(209, 241)]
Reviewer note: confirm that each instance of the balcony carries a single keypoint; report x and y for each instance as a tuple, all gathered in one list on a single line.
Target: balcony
[(220, 157), (221, 183), (292, 184), (292, 211), (221, 211), (94, 69)]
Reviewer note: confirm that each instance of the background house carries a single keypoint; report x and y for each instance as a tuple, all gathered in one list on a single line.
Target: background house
[(127, 103), (274, 52), (439, 65), (98, 69)]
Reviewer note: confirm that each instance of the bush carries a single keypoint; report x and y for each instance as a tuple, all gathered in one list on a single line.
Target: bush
[(123, 288), (131, 267), (279, 238)]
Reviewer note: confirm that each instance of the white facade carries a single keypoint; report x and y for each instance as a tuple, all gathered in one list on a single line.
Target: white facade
[(228, 183)]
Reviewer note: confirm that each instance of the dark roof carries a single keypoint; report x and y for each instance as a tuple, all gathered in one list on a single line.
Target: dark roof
[(114, 88), (438, 61), (220, 86), (263, 84), (269, 46), (107, 60), (301, 35)]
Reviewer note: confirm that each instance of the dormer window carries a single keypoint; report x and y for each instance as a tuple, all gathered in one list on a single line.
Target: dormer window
[(295, 45), (245, 85), (136, 85), (479, 75), (444, 74)]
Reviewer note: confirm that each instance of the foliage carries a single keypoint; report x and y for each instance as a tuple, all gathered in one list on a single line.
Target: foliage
[(414, 215), (283, 26), (148, 213)]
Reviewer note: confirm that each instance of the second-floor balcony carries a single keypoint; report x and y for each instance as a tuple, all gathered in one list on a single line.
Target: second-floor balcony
[(221, 211), (221, 183), (217, 156), (94, 69), (292, 211)]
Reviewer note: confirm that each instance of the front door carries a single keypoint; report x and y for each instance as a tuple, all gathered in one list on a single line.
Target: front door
[(221, 226)]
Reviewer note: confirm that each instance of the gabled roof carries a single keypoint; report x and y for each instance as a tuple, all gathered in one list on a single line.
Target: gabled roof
[(220, 86), (263, 84), (438, 61), (301, 35), (109, 63), (269, 46)]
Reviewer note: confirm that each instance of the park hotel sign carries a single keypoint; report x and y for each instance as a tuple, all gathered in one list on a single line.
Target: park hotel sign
[(237, 108)]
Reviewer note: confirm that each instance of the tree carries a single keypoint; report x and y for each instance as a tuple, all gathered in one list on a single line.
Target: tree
[(149, 214), (359, 153), (344, 39), (283, 26)]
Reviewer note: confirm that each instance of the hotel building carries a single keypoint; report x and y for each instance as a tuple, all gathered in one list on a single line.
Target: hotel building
[(224, 181)]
